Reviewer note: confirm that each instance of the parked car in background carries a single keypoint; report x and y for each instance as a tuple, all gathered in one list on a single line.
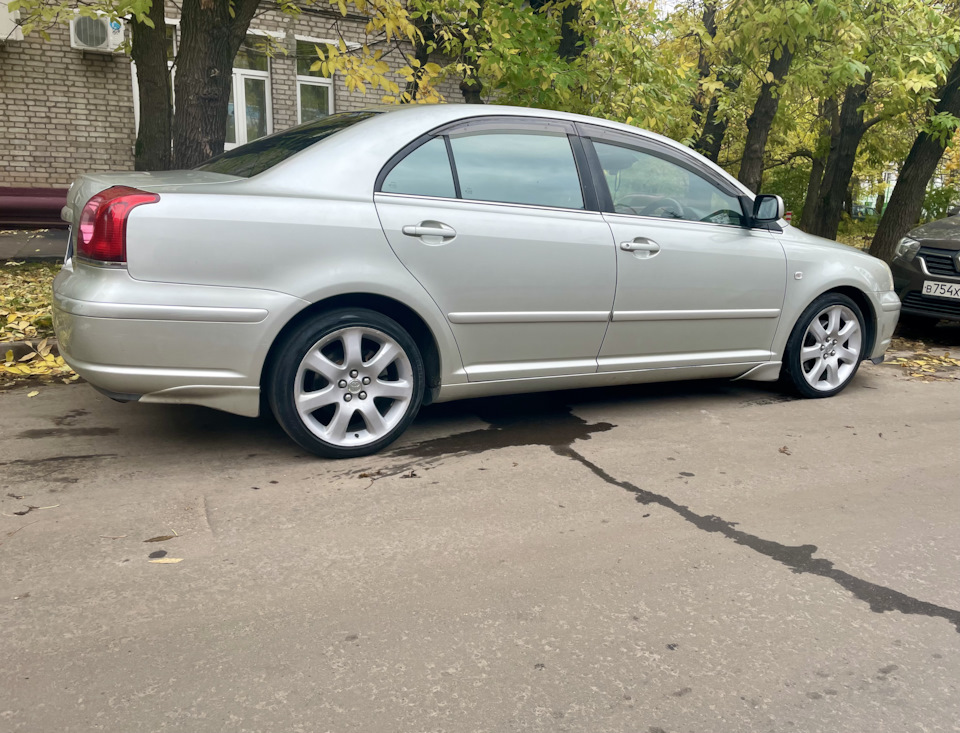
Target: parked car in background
[(359, 266), (926, 273)]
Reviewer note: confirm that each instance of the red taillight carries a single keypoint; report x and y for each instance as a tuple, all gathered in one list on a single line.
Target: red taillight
[(102, 234)]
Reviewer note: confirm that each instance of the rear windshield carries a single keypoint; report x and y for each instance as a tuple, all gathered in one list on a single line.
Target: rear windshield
[(256, 157)]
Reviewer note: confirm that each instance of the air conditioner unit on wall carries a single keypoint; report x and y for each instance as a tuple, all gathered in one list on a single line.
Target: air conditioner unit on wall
[(98, 35), (9, 27)]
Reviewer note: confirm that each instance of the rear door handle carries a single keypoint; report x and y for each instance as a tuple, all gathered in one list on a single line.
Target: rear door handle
[(640, 244), (430, 232)]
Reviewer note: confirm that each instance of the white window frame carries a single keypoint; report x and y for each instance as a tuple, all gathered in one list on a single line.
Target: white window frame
[(319, 80), (240, 98), (316, 81), (175, 22)]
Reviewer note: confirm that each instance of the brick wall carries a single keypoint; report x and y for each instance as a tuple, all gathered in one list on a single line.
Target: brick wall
[(62, 112), (65, 112)]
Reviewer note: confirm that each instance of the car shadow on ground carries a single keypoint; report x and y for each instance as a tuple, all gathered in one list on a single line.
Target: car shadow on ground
[(464, 426), (545, 418)]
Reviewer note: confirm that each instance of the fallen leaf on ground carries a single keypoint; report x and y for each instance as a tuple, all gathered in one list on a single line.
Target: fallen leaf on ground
[(166, 560), (785, 451), (161, 538), (32, 394)]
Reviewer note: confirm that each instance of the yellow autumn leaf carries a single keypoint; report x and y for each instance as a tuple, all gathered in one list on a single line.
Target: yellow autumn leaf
[(32, 394), (166, 560)]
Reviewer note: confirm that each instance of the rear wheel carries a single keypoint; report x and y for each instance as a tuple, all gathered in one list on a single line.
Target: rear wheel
[(826, 346), (346, 383)]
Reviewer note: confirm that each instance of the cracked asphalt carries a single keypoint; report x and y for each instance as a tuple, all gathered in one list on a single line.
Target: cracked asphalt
[(687, 557)]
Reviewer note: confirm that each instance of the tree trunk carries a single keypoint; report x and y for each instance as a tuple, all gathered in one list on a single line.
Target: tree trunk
[(881, 199), (830, 114), (209, 41), (761, 120), (813, 193), (906, 202), (710, 140), (571, 39), (149, 51), (420, 53), (470, 86), (839, 167), (704, 69)]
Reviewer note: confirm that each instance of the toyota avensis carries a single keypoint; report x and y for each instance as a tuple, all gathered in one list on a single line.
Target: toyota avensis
[(355, 268)]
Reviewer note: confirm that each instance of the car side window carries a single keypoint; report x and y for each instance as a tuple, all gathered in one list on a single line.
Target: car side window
[(644, 184), (536, 168), (424, 172)]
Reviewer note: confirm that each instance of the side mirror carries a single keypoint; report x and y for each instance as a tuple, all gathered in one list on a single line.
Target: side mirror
[(767, 211)]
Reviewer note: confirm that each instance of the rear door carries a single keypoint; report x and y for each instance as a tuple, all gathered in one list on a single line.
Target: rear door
[(491, 217)]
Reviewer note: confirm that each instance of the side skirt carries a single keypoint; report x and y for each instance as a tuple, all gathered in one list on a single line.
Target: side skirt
[(451, 392)]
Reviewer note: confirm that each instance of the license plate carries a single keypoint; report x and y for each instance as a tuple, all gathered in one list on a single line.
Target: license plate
[(941, 290)]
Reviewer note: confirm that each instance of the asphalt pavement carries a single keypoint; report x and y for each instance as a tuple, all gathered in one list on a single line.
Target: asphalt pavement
[(687, 557), (32, 244)]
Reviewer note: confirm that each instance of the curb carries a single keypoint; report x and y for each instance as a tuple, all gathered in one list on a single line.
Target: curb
[(35, 258), (22, 348)]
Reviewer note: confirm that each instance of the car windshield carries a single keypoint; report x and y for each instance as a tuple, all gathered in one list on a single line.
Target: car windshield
[(256, 157)]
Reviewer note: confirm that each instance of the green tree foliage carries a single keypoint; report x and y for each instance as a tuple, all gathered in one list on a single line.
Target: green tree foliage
[(815, 99)]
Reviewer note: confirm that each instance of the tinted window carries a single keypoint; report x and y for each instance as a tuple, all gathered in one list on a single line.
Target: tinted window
[(424, 172), (256, 157), (646, 185), (517, 167)]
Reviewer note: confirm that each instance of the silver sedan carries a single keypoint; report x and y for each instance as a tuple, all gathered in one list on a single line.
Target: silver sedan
[(357, 267)]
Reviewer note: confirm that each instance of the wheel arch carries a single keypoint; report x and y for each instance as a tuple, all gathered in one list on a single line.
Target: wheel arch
[(863, 302), (403, 314)]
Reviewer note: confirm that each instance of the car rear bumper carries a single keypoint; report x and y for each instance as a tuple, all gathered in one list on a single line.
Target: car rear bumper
[(157, 342)]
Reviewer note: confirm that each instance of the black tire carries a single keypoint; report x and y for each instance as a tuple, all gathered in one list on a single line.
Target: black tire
[(794, 374), (285, 380)]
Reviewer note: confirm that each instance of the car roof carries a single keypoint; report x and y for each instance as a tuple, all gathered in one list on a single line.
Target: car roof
[(382, 135)]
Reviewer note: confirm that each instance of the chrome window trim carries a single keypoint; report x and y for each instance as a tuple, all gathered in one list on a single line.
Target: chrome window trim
[(486, 203), (663, 219)]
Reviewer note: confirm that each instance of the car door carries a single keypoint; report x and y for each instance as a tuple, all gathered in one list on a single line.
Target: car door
[(695, 286), (491, 217)]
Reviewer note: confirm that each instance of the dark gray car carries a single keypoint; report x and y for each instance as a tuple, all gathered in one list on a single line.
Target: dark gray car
[(926, 273)]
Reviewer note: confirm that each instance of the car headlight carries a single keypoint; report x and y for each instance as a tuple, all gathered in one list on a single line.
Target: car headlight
[(907, 249)]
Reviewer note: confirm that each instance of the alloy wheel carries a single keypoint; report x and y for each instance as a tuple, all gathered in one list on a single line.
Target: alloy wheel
[(831, 347), (353, 386)]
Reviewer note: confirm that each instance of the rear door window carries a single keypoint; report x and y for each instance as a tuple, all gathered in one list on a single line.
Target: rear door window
[(424, 172), (517, 167)]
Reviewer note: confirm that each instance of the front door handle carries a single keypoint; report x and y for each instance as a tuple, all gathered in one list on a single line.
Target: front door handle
[(641, 244), (431, 232)]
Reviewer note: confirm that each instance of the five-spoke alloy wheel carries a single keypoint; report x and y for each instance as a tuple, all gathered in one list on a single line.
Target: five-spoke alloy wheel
[(826, 346), (346, 383)]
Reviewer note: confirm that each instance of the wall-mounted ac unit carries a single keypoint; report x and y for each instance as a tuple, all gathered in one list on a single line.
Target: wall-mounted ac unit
[(9, 27), (98, 35)]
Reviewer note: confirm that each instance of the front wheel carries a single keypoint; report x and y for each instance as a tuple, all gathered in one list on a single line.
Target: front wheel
[(826, 346), (346, 383)]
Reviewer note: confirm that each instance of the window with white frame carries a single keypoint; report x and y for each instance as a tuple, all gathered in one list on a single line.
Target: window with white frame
[(314, 90), (249, 111)]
